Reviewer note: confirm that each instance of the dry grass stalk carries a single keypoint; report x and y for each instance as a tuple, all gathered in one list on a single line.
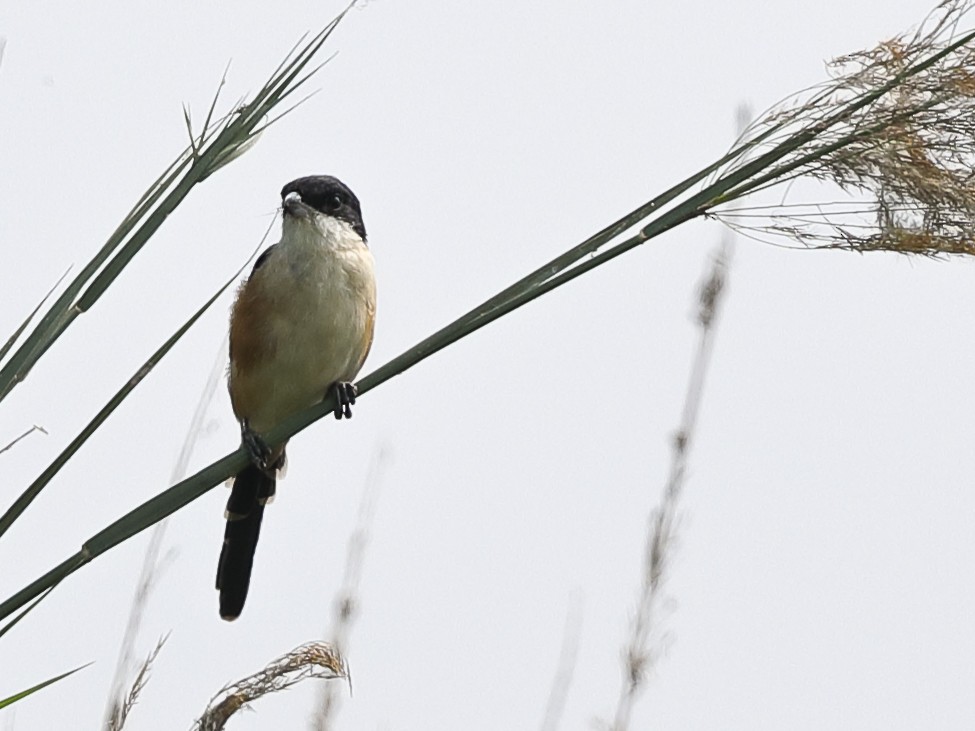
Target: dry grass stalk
[(568, 655), (346, 602), (646, 640), (27, 433), (152, 563), (120, 712), (147, 580), (907, 159), (311, 660)]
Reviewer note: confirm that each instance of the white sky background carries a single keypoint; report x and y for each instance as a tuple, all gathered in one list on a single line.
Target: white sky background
[(824, 574)]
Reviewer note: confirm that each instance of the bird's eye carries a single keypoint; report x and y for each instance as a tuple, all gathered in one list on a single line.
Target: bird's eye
[(333, 202)]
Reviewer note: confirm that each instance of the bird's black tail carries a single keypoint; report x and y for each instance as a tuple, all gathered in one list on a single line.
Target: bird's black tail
[(245, 509)]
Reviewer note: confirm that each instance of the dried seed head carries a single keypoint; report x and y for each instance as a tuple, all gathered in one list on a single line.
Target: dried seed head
[(895, 130)]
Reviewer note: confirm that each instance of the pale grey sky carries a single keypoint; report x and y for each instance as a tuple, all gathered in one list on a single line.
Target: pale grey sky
[(824, 573)]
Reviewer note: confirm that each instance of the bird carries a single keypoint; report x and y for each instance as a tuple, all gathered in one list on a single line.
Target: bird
[(301, 327)]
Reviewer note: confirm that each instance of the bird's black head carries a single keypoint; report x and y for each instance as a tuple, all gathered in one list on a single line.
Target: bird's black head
[(330, 196)]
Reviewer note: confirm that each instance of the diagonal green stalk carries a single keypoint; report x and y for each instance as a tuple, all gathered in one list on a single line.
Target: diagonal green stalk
[(610, 232), (59, 316), (24, 693), (27, 320), (190, 168), (551, 276), (239, 129), (777, 174), (189, 489), (715, 193), (805, 136), (554, 274), (34, 489), (9, 625)]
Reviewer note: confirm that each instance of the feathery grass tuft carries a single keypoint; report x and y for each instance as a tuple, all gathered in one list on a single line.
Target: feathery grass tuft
[(907, 157), (311, 660), (123, 707)]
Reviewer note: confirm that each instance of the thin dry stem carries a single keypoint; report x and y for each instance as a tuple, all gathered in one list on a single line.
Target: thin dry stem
[(125, 705), (312, 660), (646, 640), (118, 705), (568, 655), (151, 564), (345, 605), (27, 433)]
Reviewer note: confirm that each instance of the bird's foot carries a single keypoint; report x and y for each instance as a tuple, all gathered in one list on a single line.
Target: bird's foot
[(345, 394), (257, 448)]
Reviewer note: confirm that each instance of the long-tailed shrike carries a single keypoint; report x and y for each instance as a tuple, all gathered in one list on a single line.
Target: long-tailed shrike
[(300, 328)]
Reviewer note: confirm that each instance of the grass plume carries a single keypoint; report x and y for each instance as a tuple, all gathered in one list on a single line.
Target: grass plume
[(311, 660), (906, 159), (121, 710)]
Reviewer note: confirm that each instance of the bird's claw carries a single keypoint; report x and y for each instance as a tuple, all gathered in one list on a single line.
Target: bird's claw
[(345, 394), (257, 448)]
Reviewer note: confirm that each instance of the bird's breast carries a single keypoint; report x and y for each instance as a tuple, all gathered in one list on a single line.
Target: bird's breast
[(301, 322)]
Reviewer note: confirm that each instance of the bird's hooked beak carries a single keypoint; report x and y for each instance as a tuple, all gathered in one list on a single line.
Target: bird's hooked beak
[(292, 205)]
